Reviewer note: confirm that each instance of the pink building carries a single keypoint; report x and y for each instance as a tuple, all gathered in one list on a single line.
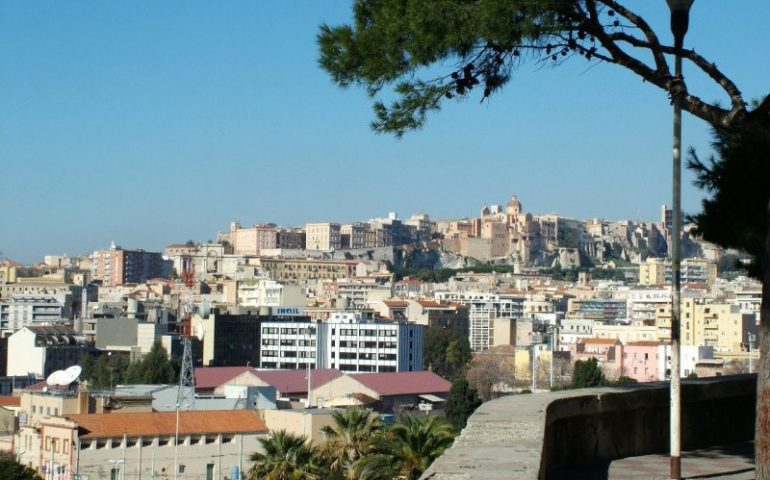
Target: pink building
[(642, 361), (608, 351)]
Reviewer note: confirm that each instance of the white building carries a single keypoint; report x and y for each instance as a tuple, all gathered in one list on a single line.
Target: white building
[(22, 310), (263, 292), (483, 310), (345, 341), (43, 349)]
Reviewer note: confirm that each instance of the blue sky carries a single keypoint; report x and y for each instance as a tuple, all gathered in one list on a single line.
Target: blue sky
[(149, 123)]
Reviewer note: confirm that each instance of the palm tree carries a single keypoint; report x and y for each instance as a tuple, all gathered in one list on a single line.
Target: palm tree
[(286, 457), (349, 439), (406, 449)]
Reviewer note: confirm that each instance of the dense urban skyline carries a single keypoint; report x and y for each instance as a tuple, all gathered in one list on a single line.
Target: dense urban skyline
[(157, 124)]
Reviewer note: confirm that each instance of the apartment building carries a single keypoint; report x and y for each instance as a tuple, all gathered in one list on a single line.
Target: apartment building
[(301, 269), (118, 266), (345, 341), (483, 309), (704, 322), (41, 350), (252, 240), (322, 236), (22, 310), (353, 235), (263, 292), (694, 271)]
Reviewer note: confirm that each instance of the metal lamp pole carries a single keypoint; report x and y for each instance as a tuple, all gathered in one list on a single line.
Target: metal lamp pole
[(680, 14)]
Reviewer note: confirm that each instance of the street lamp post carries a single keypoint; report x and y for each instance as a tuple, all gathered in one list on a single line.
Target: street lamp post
[(176, 441), (680, 14)]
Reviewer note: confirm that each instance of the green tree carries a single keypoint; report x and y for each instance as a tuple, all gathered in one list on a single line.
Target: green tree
[(446, 352), (587, 373), (10, 469), (287, 457), (349, 439), (736, 214), (462, 402), (156, 366), (406, 449)]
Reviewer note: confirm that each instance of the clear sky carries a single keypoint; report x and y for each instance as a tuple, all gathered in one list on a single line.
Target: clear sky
[(150, 123)]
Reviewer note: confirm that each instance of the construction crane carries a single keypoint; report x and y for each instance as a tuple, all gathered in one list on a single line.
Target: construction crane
[(186, 391)]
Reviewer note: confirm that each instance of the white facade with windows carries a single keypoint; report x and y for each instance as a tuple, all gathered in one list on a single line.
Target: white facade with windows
[(483, 309), (345, 341)]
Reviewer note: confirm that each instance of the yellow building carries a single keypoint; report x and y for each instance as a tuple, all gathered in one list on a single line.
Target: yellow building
[(657, 271), (298, 269), (719, 325)]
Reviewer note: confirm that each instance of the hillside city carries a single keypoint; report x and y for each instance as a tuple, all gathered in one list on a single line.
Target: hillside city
[(127, 363)]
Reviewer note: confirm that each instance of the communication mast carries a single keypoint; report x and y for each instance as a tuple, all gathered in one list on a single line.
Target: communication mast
[(186, 391)]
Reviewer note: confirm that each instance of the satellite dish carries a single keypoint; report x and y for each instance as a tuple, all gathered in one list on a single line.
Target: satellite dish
[(71, 374), (200, 331), (56, 378)]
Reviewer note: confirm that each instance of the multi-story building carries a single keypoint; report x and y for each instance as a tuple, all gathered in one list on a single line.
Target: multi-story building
[(345, 342), (117, 266), (422, 226), (707, 323), (291, 238), (353, 235), (301, 269), (21, 311), (322, 236), (657, 271), (41, 350), (263, 292), (141, 445), (252, 240), (602, 309), (482, 310)]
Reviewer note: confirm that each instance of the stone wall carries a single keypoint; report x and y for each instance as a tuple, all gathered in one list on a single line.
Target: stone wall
[(528, 436)]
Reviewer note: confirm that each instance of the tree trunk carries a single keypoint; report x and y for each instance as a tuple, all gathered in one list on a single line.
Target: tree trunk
[(762, 435)]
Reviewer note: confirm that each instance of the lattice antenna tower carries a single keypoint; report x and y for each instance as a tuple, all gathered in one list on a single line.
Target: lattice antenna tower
[(186, 392)]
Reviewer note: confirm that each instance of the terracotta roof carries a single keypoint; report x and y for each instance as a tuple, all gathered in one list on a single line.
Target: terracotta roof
[(10, 401), (403, 383), (295, 381), (395, 303), (432, 304), (601, 341), (213, 377), (164, 423)]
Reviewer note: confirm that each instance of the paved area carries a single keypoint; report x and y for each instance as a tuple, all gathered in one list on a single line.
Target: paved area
[(734, 462)]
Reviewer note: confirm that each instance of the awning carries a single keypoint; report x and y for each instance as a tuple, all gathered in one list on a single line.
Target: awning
[(432, 398)]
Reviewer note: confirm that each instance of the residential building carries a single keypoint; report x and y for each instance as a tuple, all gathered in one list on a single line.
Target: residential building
[(263, 292), (608, 352), (22, 310), (322, 236), (302, 269), (602, 309), (353, 235), (483, 310), (118, 266), (694, 271), (253, 240), (345, 341)]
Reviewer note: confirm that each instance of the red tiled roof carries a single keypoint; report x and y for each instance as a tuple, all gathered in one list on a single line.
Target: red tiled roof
[(164, 423), (10, 401), (295, 381), (646, 343), (395, 303), (432, 304), (212, 377), (403, 383)]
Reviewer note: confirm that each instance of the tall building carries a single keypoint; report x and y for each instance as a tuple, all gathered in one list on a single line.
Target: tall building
[(117, 266)]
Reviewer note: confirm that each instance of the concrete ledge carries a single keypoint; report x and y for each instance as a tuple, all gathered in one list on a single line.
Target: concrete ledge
[(528, 436)]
